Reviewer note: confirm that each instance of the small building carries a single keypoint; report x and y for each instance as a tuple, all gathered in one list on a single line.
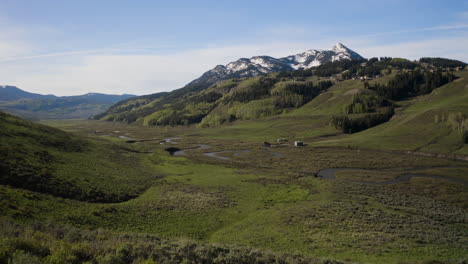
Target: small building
[(298, 143), (266, 144), (281, 140)]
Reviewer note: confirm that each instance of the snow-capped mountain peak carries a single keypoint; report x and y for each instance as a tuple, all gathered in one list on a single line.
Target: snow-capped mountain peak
[(340, 48), (259, 65)]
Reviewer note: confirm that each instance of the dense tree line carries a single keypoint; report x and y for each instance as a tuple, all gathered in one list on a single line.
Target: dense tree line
[(366, 103), (443, 63), (295, 94), (386, 62), (351, 68), (171, 117), (375, 66), (208, 97), (308, 89), (412, 83), (335, 67), (356, 124), (253, 91)]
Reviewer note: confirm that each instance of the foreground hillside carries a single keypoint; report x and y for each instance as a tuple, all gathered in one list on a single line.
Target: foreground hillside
[(47, 160), (246, 199), (41, 166)]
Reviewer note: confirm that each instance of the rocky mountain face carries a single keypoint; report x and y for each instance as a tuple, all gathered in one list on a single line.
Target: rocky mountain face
[(260, 65)]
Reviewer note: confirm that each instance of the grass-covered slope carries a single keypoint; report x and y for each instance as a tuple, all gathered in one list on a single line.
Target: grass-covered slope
[(436, 122), (192, 103), (48, 160), (280, 93), (238, 99), (128, 110), (310, 121), (254, 200), (47, 243)]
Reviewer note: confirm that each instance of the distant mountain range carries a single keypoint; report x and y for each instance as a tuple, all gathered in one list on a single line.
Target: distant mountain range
[(260, 65), (132, 109), (38, 106)]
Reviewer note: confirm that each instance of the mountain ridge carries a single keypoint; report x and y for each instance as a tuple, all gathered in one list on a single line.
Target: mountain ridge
[(18, 93), (241, 68), (278, 93), (259, 65), (34, 106)]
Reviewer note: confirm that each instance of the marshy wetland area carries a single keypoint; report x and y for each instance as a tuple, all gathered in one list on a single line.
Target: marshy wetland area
[(307, 203)]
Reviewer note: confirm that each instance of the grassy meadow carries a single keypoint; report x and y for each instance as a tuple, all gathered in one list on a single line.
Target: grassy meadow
[(91, 191)]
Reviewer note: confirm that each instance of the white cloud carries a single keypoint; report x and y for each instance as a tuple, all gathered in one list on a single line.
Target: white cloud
[(124, 68), (138, 74), (144, 74), (454, 48), (11, 40), (8, 49)]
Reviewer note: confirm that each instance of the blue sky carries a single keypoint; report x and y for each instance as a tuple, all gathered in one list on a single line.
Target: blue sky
[(70, 47)]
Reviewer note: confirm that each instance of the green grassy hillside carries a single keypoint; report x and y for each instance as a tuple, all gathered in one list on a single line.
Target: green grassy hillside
[(48, 160), (432, 123), (254, 200), (302, 104), (436, 122)]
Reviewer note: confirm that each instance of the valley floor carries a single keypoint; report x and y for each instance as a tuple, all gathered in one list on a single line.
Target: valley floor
[(236, 191)]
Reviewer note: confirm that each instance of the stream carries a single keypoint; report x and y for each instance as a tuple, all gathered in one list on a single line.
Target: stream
[(331, 174), (216, 154)]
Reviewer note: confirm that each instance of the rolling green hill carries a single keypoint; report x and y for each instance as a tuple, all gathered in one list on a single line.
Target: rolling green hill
[(48, 160), (435, 122), (277, 94)]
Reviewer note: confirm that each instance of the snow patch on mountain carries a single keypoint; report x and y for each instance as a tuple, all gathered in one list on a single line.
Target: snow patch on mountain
[(260, 65)]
